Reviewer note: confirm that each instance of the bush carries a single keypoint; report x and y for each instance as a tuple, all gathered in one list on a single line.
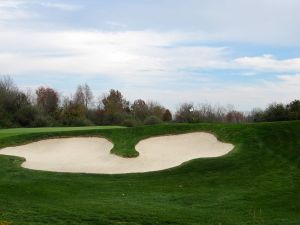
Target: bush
[(185, 114), (77, 122), (113, 119), (25, 115), (276, 112), (167, 116), (6, 122), (294, 110), (96, 116), (151, 120), (130, 123), (42, 121)]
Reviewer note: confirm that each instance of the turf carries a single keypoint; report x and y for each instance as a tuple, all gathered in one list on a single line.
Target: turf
[(257, 183), (15, 131)]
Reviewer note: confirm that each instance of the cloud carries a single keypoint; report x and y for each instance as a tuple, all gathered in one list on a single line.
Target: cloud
[(130, 54), (14, 10), (257, 21), (269, 63), (141, 58), (274, 23), (243, 96), (61, 6), (145, 55), (115, 25), (11, 4), (290, 79)]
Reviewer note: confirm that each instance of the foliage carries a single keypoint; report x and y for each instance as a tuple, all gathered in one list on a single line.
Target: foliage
[(167, 116), (293, 109), (185, 114), (74, 115), (42, 121), (47, 99), (130, 123), (151, 120), (15, 107), (25, 116), (115, 107), (155, 109), (83, 95), (188, 113), (139, 110), (277, 112), (48, 108), (235, 117)]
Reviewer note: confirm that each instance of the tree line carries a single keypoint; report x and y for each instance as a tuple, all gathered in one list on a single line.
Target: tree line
[(46, 107)]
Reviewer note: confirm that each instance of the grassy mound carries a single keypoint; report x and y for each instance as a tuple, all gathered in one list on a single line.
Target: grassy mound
[(257, 183)]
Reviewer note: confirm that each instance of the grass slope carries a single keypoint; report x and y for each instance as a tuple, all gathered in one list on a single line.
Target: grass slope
[(257, 183)]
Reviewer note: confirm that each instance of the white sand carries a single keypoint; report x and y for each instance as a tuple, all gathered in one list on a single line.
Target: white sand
[(92, 155)]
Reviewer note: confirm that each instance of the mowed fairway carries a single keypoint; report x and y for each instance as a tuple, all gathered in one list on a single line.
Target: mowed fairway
[(256, 183)]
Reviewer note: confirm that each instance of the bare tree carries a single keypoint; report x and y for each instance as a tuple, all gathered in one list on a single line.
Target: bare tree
[(185, 113), (235, 117), (15, 107), (79, 98), (7, 85), (83, 96), (88, 95), (8, 94)]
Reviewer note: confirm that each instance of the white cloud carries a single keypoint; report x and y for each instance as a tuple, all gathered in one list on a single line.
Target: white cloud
[(249, 74), (290, 79), (269, 63), (13, 10), (115, 25), (138, 55), (243, 96), (128, 54), (144, 59), (61, 6), (10, 3), (257, 21)]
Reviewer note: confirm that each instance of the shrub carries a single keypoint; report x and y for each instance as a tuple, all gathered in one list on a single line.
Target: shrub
[(257, 115), (185, 113), (235, 117), (140, 110), (294, 110), (42, 121), (25, 115), (78, 122), (130, 123), (276, 112), (167, 116), (6, 122), (151, 120)]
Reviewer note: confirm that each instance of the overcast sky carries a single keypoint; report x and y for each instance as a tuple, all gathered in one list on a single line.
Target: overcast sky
[(244, 53)]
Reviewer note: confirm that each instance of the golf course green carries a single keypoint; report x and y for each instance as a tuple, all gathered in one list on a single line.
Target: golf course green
[(258, 182)]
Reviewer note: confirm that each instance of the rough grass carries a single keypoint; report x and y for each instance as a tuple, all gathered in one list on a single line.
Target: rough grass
[(257, 183)]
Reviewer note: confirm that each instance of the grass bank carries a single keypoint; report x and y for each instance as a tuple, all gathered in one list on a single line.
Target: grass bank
[(257, 183)]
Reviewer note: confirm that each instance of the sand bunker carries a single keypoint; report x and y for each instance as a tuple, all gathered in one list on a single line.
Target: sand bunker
[(92, 155)]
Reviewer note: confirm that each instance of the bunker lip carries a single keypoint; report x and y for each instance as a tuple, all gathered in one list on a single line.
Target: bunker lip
[(92, 154)]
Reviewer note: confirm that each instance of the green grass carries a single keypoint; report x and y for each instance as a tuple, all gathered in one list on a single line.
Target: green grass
[(257, 183), (14, 131)]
